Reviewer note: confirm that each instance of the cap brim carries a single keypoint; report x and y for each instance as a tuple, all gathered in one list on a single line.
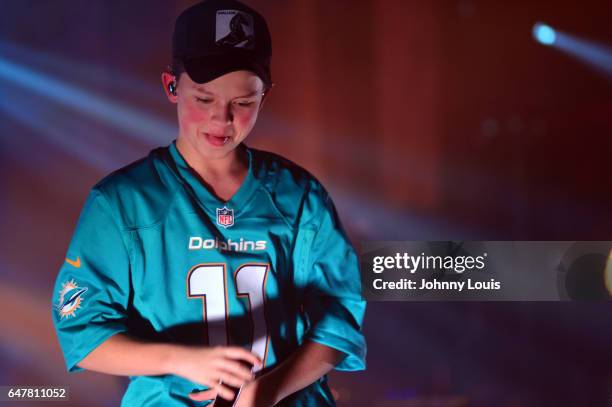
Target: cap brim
[(202, 70)]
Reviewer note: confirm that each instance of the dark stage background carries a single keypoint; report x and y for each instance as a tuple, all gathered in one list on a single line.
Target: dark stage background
[(425, 120)]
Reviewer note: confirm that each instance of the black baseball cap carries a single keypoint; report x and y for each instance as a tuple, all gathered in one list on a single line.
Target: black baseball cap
[(215, 37)]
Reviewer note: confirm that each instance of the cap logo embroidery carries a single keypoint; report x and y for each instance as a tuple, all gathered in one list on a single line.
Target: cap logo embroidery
[(234, 28)]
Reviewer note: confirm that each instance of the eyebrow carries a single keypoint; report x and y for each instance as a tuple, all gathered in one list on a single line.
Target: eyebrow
[(202, 90), (253, 93)]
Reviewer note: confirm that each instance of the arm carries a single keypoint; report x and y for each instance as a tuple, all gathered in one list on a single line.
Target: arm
[(328, 278), (306, 365), (94, 336), (126, 356)]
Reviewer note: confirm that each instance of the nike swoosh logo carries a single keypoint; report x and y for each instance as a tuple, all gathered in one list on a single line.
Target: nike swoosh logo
[(75, 263)]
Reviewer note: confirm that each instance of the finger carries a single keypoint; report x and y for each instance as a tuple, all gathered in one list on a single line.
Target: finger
[(236, 369), (230, 379), (235, 352), (224, 392), (203, 395), (225, 372)]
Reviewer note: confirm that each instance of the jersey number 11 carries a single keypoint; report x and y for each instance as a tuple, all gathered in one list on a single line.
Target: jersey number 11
[(209, 282)]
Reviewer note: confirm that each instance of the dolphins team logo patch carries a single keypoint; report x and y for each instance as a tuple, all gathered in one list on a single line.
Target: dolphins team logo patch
[(70, 299)]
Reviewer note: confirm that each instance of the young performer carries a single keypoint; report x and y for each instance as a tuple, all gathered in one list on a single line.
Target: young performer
[(209, 267)]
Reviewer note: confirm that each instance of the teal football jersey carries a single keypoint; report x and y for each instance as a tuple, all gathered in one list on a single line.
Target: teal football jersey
[(156, 255)]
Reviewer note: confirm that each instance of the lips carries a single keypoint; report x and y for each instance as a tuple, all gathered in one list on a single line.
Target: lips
[(217, 140)]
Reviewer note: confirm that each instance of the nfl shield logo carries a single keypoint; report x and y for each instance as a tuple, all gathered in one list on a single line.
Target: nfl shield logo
[(225, 217)]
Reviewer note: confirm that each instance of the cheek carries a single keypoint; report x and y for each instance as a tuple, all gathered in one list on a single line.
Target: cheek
[(245, 120), (191, 115)]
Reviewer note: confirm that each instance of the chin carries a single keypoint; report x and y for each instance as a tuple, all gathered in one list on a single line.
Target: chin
[(212, 152)]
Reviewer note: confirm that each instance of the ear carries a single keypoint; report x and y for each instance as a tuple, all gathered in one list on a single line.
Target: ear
[(167, 78)]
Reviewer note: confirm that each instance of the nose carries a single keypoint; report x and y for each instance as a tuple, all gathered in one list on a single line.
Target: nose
[(222, 113)]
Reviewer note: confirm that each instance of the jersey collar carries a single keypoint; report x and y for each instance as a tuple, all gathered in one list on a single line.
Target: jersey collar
[(210, 202)]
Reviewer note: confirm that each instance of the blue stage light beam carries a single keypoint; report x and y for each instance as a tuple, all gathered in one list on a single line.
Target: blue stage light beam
[(36, 119), (146, 127), (591, 53), (598, 56), (82, 72)]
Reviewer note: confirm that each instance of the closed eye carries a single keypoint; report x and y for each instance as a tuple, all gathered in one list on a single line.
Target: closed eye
[(205, 101), (245, 103)]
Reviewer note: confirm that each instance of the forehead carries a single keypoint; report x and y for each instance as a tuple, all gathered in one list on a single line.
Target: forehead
[(237, 82)]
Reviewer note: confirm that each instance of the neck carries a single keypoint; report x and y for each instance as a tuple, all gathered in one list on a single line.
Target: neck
[(232, 164)]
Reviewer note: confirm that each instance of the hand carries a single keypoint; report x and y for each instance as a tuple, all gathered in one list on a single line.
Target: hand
[(253, 394), (215, 367)]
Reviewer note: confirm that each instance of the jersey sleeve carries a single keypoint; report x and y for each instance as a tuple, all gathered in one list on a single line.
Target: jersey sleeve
[(333, 302), (91, 291)]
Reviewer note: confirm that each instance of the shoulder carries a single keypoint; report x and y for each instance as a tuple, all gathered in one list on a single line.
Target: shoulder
[(296, 193), (140, 192)]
